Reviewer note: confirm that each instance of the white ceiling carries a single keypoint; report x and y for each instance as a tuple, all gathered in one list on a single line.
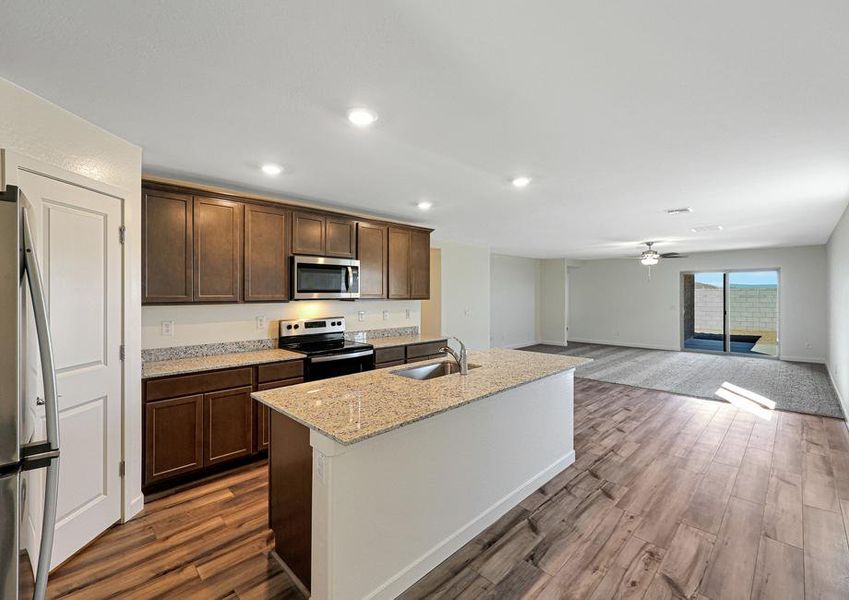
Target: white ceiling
[(618, 110)]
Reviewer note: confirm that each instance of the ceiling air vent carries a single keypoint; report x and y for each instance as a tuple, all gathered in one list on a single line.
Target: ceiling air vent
[(679, 211), (704, 228)]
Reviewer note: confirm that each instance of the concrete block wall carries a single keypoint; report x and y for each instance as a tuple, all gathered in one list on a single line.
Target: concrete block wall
[(753, 310)]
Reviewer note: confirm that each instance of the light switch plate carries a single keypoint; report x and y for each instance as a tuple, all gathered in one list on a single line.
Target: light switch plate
[(361, 316), (385, 315), (167, 328), (260, 322), (407, 312)]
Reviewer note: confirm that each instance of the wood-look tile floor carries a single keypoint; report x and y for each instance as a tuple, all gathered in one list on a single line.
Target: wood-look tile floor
[(670, 497)]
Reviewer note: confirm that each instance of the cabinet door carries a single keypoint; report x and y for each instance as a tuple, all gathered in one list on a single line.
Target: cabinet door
[(173, 437), (218, 250), (262, 414), (308, 233), (340, 237), (372, 251), (266, 253), (399, 263), (166, 248), (227, 425), (419, 265)]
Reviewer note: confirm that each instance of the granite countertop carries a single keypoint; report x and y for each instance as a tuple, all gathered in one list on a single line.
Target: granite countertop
[(179, 366), (356, 407), (402, 340)]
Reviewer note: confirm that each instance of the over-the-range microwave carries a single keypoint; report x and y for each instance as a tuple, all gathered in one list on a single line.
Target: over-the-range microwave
[(325, 278)]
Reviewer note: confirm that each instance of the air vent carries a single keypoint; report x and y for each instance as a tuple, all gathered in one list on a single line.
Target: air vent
[(705, 228), (679, 211)]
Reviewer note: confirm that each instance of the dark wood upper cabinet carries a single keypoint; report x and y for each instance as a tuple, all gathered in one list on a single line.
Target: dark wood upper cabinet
[(399, 263), (173, 437), (323, 235), (167, 248), (419, 265), (218, 250), (266, 253), (340, 237), (203, 246), (228, 431), (372, 252), (308, 233)]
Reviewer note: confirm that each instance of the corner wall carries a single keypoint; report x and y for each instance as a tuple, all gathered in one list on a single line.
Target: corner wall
[(837, 253), (466, 293)]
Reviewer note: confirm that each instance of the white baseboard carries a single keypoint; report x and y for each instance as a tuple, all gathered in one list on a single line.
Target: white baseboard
[(840, 398), (135, 507), (553, 343), (804, 359), (625, 344), (514, 346), (433, 557)]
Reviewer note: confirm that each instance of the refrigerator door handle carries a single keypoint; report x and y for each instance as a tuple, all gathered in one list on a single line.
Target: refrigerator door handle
[(51, 406)]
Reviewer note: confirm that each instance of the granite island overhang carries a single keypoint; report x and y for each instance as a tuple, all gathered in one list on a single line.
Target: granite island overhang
[(376, 478)]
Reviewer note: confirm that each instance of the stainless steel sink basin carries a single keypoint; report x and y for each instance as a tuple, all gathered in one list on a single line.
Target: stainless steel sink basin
[(431, 371)]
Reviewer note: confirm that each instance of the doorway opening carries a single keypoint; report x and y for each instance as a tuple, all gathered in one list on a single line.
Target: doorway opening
[(732, 312)]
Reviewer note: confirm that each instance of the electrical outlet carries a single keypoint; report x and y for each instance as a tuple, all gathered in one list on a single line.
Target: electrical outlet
[(167, 328), (361, 316), (385, 315), (407, 313), (260, 322)]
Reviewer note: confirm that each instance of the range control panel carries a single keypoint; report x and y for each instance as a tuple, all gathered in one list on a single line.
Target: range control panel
[(311, 326)]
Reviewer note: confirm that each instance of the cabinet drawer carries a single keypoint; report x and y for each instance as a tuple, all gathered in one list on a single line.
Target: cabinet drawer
[(393, 363), (282, 370), (428, 349), (384, 355), (198, 383)]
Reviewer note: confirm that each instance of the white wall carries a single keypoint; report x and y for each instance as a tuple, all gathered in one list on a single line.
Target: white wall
[(32, 126), (514, 290), (466, 293), (210, 323), (613, 302), (552, 301), (837, 253)]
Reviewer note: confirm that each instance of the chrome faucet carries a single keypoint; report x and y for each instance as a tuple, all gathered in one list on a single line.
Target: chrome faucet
[(462, 358)]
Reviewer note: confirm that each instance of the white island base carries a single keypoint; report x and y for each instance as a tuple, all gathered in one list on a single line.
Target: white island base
[(387, 510)]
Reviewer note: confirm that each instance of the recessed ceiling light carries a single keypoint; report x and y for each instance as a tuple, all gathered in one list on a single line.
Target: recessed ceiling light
[(361, 117), (679, 211), (424, 205), (521, 181), (270, 169), (704, 228)]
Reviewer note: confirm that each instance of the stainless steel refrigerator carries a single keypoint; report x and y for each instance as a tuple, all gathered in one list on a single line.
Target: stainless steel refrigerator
[(18, 453)]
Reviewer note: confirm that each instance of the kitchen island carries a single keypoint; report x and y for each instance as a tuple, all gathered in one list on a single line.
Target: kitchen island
[(376, 478)]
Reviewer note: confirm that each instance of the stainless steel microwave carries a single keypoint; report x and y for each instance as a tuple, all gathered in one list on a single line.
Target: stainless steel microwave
[(320, 277)]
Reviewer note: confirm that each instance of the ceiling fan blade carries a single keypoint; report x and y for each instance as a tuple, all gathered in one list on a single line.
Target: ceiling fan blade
[(673, 255)]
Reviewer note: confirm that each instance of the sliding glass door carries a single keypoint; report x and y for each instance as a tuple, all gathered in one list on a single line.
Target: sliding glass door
[(730, 312)]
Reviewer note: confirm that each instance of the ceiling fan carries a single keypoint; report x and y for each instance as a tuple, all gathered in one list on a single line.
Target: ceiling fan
[(651, 257)]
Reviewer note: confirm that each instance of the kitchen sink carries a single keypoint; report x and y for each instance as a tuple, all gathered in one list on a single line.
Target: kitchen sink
[(431, 371)]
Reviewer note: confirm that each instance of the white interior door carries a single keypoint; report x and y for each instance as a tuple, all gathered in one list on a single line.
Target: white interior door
[(76, 232)]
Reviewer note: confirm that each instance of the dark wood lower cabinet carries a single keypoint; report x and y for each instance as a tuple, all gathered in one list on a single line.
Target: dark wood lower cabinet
[(262, 413), (200, 423), (173, 437), (227, 418)]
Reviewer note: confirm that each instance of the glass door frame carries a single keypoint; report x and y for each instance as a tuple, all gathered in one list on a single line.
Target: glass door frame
[(726, 313)]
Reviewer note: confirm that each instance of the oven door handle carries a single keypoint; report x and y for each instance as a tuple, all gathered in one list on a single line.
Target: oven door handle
[(349, 279), (334, 357)]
